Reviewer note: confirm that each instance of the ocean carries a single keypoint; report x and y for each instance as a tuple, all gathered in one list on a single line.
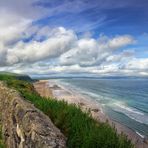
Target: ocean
[(123, 100)]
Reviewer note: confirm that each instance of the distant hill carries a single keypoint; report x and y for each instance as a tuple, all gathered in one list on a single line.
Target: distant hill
[(6, 75)]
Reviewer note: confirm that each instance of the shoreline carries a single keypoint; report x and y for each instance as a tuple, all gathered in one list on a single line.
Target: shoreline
[(51, 88)]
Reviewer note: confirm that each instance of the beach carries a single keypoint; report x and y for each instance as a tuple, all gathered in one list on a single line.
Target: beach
[(51, 88)]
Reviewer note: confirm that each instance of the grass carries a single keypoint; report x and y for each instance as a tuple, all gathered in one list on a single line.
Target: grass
[(1, 139), (81, 130)]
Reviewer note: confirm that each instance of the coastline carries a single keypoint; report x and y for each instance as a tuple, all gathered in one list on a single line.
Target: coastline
[(49, 88)]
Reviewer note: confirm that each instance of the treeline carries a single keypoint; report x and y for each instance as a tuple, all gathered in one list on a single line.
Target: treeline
[(81, 130)]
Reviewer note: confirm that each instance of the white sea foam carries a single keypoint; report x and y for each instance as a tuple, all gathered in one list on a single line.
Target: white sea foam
[(142, 136), (130, 112), (133, 110)]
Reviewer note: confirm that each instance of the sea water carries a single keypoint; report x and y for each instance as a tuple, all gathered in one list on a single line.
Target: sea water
[(123, 100)]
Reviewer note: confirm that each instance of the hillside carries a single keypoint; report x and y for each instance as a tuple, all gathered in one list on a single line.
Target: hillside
[(8, 75), (23, 125), (80, 129)]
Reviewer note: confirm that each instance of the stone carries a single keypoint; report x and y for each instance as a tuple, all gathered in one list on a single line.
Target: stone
[(24, 126)]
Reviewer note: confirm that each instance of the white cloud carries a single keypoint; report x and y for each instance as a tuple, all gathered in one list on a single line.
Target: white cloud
[(59, 50), (11, 27), (123, 56), (89, 52), (137, 64), (57, 42), (33, 51), (120, 41), (62, 51)]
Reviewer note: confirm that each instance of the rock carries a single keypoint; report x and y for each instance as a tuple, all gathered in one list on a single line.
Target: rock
[(95, 110), (55, 87), (82, 104), (24, 126), (145, 140)]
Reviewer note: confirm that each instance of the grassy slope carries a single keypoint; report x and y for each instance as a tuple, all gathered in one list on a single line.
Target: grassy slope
[(1, 139), (7, 75), (81, 130)]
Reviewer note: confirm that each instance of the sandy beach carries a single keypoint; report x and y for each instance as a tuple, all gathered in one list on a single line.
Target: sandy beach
[(50, 88)]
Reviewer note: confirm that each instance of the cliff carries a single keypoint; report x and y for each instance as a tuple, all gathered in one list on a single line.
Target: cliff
[(23, 125)]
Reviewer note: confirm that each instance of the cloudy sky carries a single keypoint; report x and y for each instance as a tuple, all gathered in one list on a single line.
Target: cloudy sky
[(74, 37)]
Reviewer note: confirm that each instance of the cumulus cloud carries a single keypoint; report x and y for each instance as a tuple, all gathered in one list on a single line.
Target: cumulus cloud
[(89, 52), (29, 48), (59, 50), (34, 51), (48, 43)]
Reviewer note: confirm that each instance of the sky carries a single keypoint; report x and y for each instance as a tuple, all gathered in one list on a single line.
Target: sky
[(74, 37)]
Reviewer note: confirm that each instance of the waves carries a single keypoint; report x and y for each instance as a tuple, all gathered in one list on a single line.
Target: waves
[(124, 102), (108, 100), (142, 136), (130, 112)]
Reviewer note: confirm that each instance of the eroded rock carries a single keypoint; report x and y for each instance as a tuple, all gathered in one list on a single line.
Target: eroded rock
[(24, 126)]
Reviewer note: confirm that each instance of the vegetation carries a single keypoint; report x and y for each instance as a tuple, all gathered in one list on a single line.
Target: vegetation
[(6, 76), (80, 129), (1, 140)]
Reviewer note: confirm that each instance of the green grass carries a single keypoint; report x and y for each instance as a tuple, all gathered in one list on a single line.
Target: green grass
[(1, 139), (81, 130)]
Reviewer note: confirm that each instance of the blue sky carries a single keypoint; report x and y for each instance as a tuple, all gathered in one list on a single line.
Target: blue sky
[(74, 37), (115, 17)]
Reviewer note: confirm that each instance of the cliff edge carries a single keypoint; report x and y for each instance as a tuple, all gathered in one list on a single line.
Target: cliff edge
[(24, 126)]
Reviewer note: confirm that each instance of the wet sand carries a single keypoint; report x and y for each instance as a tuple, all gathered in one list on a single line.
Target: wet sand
[(53, 89)]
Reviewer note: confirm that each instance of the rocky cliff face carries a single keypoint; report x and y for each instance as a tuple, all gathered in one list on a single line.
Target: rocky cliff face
[(24, 126)]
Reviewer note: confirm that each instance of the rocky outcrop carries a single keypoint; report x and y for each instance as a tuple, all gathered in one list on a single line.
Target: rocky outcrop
[(24, 126)]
